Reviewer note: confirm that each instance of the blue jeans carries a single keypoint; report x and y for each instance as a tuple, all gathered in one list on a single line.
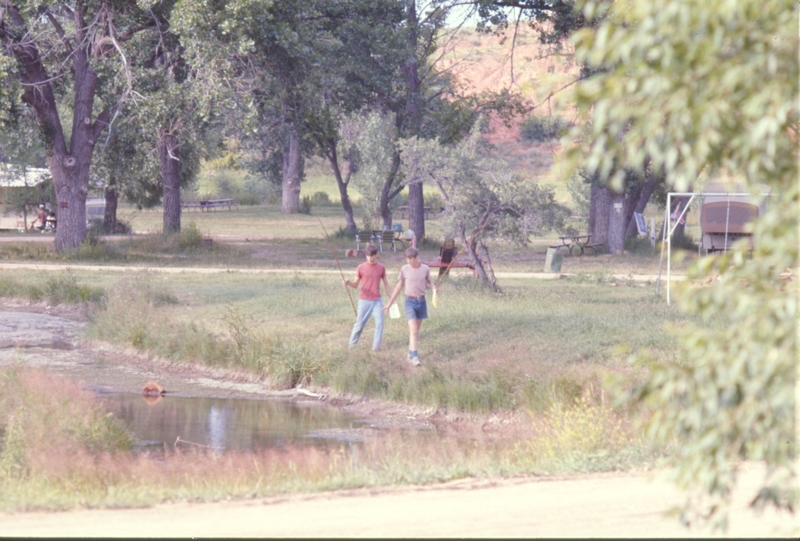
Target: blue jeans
[(365, 309)]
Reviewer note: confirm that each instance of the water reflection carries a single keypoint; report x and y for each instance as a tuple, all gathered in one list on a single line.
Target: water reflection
[(224, 424)]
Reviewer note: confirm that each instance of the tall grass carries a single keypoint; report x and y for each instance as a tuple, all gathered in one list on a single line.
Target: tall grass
[(534, 345), (58, 450), (62, 288), (45, 422), (584, 436)]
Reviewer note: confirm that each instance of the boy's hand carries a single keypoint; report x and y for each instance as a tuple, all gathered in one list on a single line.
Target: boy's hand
[(386, 308), (345, 282)]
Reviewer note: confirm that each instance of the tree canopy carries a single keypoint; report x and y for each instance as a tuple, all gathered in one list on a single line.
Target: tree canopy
[(711, 88)]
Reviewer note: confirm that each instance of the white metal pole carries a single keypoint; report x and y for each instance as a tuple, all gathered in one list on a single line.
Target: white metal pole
[(669, 241), (663, 243)]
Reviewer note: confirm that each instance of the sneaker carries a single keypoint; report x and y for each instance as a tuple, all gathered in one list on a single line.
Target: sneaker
[(414, 360)]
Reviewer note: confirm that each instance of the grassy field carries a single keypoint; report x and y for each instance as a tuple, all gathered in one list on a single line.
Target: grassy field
[(545, 349)]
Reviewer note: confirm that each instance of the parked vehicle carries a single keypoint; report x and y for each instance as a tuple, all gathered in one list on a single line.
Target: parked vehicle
[(724, 217)]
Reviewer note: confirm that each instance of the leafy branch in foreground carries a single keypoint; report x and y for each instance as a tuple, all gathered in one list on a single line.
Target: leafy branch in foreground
[(712, 87)]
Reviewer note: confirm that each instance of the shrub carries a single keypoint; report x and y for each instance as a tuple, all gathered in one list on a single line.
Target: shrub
[(321, 199), (190, 237), (541, 128), (579, 437)]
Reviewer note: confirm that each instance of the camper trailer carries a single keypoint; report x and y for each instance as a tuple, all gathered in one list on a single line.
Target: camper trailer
[(724, 216)]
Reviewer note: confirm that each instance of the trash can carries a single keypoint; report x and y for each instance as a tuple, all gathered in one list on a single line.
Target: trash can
[(553, 259)]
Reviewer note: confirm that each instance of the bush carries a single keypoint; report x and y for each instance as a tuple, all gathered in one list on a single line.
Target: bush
[(541, 128), (305, 205), (190, 238), (321, 199)]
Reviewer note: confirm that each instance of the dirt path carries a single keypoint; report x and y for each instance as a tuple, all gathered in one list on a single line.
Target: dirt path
[(599, 505), (56, 267)]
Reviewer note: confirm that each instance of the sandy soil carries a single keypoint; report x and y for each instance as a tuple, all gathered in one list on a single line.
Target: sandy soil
[(601, 505)]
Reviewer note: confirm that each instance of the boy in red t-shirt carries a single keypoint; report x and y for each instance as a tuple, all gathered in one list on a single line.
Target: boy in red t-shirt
[(369, 299)]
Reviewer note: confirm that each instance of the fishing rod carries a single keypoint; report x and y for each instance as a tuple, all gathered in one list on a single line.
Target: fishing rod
[(337, 264)]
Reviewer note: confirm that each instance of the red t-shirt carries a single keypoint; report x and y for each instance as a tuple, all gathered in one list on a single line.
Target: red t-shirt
[(371, 276)]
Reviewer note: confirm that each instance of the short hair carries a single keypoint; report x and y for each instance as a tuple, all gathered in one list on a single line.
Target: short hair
[(412, 252), (371, 249)]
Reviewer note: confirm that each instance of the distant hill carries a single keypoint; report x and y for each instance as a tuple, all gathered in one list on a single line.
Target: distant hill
[(483, 62)]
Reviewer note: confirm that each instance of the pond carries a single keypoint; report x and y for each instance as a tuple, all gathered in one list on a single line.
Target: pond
[(228, 424)]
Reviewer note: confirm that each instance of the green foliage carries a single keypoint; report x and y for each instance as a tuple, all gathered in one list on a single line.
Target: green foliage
[(580, 191), (62, 289), (305, 205), (375, 135), (479, 192), (542, 128), (580, 436), (190, 237), (712, 87), (320, 199)]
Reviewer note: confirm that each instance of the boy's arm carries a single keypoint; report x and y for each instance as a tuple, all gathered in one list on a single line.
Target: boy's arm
[(395, 293), (353, 283), (386, 284), (429, 282)]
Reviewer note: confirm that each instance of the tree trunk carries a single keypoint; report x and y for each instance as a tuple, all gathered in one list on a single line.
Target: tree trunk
[(387, 194), (616, 224), (68, 166), (110, 213), (71, 192), (678, 204), (491, 276), (169, 156), (342, 183), (473, 255), (416, 201), (292, 173), (643, 198), (599, 203)]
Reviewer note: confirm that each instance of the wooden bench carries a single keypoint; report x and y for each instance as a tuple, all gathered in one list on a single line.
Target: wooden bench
[(391, 238), (365, 237), (210, 204)]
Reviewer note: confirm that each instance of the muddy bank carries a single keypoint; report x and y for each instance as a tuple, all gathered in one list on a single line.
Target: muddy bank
[(52, 338)]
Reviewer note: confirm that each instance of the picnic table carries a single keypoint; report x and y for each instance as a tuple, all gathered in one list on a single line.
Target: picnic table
[(572, 241), (209, 204)]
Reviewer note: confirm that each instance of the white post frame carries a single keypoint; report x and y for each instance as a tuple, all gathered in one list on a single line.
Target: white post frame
[(668, 230)]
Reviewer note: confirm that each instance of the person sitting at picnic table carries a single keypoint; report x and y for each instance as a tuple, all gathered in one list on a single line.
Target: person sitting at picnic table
[(51, 221), (41, 219), (411, 237)]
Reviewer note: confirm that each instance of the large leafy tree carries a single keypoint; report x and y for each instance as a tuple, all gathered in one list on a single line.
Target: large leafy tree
[(483, 200), (555, 21), (179, 105), (359, 69), (67, 58), (711, 87), (289, 63), (153, 147)]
